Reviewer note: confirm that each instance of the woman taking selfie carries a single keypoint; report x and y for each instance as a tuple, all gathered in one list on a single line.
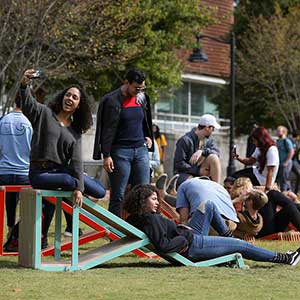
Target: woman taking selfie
[(56, 158)]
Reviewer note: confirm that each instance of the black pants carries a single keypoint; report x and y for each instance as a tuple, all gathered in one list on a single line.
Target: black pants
[(248, 172), (296, 171), (278, 221), (48, 212)]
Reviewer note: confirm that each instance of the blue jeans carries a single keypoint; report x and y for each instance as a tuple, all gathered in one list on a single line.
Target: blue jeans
[(205, 247), (11, 199), (60, 178), (130, 164), (284, 175)]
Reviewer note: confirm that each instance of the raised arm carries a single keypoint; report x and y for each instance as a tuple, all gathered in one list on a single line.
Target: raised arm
[(30, 107)]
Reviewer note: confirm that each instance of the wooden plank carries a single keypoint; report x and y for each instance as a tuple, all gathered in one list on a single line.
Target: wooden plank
[(27, 228), (111, 219), (108, 252), (107, 248)]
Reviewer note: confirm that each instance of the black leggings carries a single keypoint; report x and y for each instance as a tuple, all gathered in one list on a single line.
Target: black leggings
[(278, 221), (247, 172)]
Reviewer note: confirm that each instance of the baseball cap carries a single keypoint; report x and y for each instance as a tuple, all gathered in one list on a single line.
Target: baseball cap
[(209, 120)]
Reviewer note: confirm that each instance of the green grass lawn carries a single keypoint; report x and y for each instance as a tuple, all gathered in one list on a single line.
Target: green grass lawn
[(130, 277)]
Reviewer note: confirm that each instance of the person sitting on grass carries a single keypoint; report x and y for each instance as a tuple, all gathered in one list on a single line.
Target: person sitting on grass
[(274, 221), (192, 240), (251, 222)]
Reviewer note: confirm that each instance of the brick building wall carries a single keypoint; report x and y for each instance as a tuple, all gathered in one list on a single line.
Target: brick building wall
[(218, 64)]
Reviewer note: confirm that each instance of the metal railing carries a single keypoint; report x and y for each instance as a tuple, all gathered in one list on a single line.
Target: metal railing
[(179, 124)]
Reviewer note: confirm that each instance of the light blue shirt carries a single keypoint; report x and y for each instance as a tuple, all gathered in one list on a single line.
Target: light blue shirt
[(284, 146), (15, 139), (193, 192), (154, 159)]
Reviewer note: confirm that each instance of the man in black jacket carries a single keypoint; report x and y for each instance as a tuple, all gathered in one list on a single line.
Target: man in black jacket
[(123, 134)]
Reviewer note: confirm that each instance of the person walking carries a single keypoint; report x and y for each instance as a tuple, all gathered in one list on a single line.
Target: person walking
[(286, 153), (124, 136)]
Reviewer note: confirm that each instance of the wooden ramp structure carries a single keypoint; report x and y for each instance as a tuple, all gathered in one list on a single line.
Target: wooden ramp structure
[(96, 232), (129, 238)]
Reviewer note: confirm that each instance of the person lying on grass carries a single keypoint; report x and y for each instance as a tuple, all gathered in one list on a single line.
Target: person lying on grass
[(192, 240)]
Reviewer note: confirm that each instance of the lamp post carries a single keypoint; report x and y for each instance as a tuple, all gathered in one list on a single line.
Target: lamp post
[(199, 55)]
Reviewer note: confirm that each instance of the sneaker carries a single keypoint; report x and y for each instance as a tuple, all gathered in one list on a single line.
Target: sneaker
[(68, 232), (294, 257), (11, 245)]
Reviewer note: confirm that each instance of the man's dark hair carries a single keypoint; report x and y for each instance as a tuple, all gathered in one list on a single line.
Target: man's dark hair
[(18, 100), (296, 133), (200, 127), (135, 75)]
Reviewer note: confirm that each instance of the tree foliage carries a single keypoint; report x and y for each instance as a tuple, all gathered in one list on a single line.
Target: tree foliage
[(268, 58), (93, 42), (269, 66)]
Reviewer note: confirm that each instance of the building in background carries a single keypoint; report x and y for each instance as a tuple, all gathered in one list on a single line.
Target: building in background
[(202, 81)]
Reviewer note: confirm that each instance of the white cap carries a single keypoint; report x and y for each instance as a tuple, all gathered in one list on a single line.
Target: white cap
[(209, 120)]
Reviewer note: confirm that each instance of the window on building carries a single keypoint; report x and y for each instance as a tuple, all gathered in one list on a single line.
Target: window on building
[(192, 99)]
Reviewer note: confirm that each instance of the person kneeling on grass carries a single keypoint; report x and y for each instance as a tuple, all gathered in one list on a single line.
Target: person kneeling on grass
[(192, 240)]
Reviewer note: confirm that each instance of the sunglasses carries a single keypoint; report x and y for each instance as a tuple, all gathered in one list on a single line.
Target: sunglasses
[(140, 89)]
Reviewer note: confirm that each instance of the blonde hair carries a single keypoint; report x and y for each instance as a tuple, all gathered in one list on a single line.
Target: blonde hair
[(242, 184), (284, 129)]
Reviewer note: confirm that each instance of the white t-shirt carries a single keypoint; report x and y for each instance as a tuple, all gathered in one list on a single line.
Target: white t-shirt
[(272, 160)]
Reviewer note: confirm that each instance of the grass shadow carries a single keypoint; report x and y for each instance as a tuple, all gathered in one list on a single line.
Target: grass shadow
[(143, 264), (7, 264)]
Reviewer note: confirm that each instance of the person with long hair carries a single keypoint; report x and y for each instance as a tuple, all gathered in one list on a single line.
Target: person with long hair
[(274, 221), (264, 160), (56, 156), (192, 240)]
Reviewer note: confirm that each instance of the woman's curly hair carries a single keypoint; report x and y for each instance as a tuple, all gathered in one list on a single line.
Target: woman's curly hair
[(135, 202), (82, 117), (241, 185)]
